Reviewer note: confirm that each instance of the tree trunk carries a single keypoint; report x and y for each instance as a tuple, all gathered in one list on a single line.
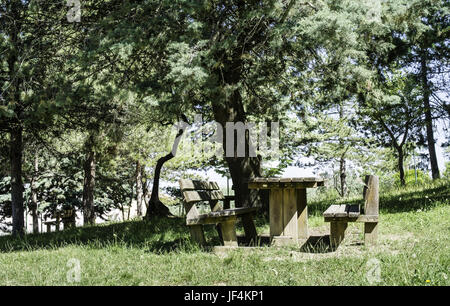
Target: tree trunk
[(34, 201), (342, 162), (241, 168), (139, 189), (428, 117), (16, 151), (89, 184), (155, 206), (401, 169), (343, 176)]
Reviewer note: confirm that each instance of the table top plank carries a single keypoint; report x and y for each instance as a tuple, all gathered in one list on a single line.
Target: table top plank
[(285, 182)]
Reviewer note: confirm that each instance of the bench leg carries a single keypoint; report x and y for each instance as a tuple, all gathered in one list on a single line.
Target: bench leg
[(49, 228), (219, 231), (337, 233), (197, 234), (226, 204), (370, 233), (229, 232), (249, 228)]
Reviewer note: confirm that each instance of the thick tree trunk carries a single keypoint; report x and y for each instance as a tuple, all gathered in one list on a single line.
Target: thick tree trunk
[(34, 201), (241, 168), (139, 189), (16, 151), (89, 184), (429, 118)]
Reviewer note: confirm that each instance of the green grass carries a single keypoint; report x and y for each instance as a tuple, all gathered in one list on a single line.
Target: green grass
[(413, 249)]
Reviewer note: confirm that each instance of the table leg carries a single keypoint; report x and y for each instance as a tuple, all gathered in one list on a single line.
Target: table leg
[(302, 214), (289, 209), (275, 212)]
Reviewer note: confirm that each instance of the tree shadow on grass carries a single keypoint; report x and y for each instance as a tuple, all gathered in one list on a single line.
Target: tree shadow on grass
[(152, 234), (158, 236), (317, 245)]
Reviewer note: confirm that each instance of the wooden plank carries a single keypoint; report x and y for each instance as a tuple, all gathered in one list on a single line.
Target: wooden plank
[(290, 225), (191, 196), (238, 211), (285, 180), (307, 179), (228, 229), (337, 233), (370, 233), (302, 214), (297, 183), (191, 210), (336, 211), (197, 185), (275, 212), (341, 211), (353, 211), (259, 180), (302, 185), (219, 216), (197, 234), (330, 212), (206, 219), (370, 195), (215, 205), (361, 219), (367, 218)]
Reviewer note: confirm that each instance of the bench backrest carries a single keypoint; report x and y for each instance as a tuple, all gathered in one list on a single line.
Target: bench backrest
[(195, 191), (370, 195)]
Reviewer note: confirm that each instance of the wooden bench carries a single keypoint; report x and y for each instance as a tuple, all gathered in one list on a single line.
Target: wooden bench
[(340, 215), (195, 191), (51, 223), (67, 216)]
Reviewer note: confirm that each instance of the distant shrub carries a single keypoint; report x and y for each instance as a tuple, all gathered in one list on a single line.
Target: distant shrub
[(410, 177)]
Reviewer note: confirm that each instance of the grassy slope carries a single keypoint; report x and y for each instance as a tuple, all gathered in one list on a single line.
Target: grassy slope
[(413, 249)]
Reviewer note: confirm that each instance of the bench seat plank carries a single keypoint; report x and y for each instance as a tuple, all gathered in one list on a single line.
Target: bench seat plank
[(353, 211), (341, 212), (330, 212), (219, 216), (360, 218)]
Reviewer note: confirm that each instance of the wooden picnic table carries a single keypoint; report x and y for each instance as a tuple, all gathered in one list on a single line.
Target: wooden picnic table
[(288, 211)]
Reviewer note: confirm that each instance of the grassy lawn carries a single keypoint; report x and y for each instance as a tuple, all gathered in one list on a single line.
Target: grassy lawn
[(413, 249)]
